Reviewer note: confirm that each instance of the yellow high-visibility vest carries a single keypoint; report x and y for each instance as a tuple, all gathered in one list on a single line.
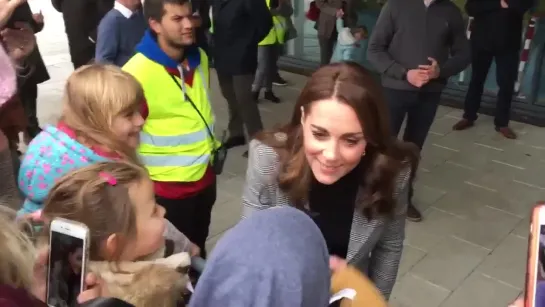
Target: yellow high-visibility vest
[(277, 35), (175, 145)]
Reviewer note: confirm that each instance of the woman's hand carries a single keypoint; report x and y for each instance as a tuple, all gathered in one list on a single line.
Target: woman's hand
[(94, 289), (337, 263), (19, 42)]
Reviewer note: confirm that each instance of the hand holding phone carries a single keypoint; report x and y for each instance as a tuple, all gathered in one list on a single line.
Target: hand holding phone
[(67, 265)]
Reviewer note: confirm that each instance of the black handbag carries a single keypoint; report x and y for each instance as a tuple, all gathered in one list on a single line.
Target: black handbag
[(219, 154)]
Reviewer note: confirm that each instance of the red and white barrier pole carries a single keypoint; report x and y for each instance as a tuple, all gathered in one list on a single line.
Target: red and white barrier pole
[(528, 37)]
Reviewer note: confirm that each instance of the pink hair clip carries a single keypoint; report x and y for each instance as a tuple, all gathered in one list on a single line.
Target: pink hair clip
[(109, 178), (36, 216)]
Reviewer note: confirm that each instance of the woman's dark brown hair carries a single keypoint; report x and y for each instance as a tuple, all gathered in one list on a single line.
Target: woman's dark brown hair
[(385, 156)]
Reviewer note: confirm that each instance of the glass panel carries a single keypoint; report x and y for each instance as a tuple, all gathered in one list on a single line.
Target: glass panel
[(306, 47)]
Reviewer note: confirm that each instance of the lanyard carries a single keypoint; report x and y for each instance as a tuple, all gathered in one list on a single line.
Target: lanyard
[(181, 85)]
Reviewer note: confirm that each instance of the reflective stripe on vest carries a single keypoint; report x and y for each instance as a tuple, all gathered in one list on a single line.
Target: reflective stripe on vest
[(278, 31), (175, 145)]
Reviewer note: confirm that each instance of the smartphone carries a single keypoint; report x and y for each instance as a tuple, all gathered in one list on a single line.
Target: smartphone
[(535, 272), (68, 257)]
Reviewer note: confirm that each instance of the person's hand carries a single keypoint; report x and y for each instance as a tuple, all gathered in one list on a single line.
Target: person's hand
[(38, 17), (95, 289), (432, 70), (18, 42), (504, 4), (194, 250), (6, 9), (337, 263), (417, 77), (340, 13), (518, 303)]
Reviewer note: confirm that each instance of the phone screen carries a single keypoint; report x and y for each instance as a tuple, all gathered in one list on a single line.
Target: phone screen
[(539, 298), (65, 278)]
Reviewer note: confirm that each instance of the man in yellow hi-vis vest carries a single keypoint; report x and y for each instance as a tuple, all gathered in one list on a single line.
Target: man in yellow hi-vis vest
[(268, 52), (177, 142)]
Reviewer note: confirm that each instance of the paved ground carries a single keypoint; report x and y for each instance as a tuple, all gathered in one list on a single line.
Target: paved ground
[(476, 190)]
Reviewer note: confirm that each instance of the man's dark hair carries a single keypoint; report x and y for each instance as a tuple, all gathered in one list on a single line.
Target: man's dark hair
[(155, 9)]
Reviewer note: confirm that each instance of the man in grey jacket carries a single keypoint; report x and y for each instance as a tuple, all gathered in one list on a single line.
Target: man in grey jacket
[(416, 46)]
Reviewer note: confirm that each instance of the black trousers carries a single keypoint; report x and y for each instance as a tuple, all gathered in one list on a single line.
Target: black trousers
[(419, 108), (506, 75), (243, 110), (29, 95), (327, 44), (192, 215)]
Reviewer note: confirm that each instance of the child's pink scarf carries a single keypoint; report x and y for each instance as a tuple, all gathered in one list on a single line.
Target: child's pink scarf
[(8, 78)]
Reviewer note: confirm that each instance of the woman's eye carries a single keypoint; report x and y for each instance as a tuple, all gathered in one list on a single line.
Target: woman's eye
[(352, 141), (318, 135)]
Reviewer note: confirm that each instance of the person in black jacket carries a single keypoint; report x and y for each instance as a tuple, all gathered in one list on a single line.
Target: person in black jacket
[(202, 7), (81, 19), (496, 35), (28, 87), (239, 25)]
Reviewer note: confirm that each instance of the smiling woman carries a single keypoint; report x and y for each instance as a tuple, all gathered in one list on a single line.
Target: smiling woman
[(336, 159)]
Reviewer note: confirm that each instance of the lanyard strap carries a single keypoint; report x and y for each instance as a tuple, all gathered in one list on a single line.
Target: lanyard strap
[(186, 97)]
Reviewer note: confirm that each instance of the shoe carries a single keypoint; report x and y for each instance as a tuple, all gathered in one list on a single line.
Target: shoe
[(234, 141), (245, 154), (413, 214), (507, 132), (270, 96), (463, 124), (279, 81), (255, 96)]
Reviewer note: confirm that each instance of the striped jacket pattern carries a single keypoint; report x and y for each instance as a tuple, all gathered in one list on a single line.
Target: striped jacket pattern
[(375, 245)]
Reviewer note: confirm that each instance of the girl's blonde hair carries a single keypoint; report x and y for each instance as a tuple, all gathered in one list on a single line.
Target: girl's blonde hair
[(17, 253), (94, 95), (98, 196)]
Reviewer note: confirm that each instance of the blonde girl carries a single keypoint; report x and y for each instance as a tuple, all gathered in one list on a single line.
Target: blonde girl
[(100, 121)]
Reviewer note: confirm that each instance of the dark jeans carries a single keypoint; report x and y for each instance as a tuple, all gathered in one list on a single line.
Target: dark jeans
[(243, 110), (420, 109), (192, 215), (29, 95), (506, 75)]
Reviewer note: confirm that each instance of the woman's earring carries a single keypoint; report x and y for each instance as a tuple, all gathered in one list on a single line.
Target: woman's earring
[(363, 154)]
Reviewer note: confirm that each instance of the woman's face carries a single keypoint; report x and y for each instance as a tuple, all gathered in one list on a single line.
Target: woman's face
[(333, 139)]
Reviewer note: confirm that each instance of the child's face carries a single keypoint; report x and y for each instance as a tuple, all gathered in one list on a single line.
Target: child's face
[(150, 222), (127, 127), (360, 34)]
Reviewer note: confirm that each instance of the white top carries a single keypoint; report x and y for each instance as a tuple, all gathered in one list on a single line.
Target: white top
[(125, 11)]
